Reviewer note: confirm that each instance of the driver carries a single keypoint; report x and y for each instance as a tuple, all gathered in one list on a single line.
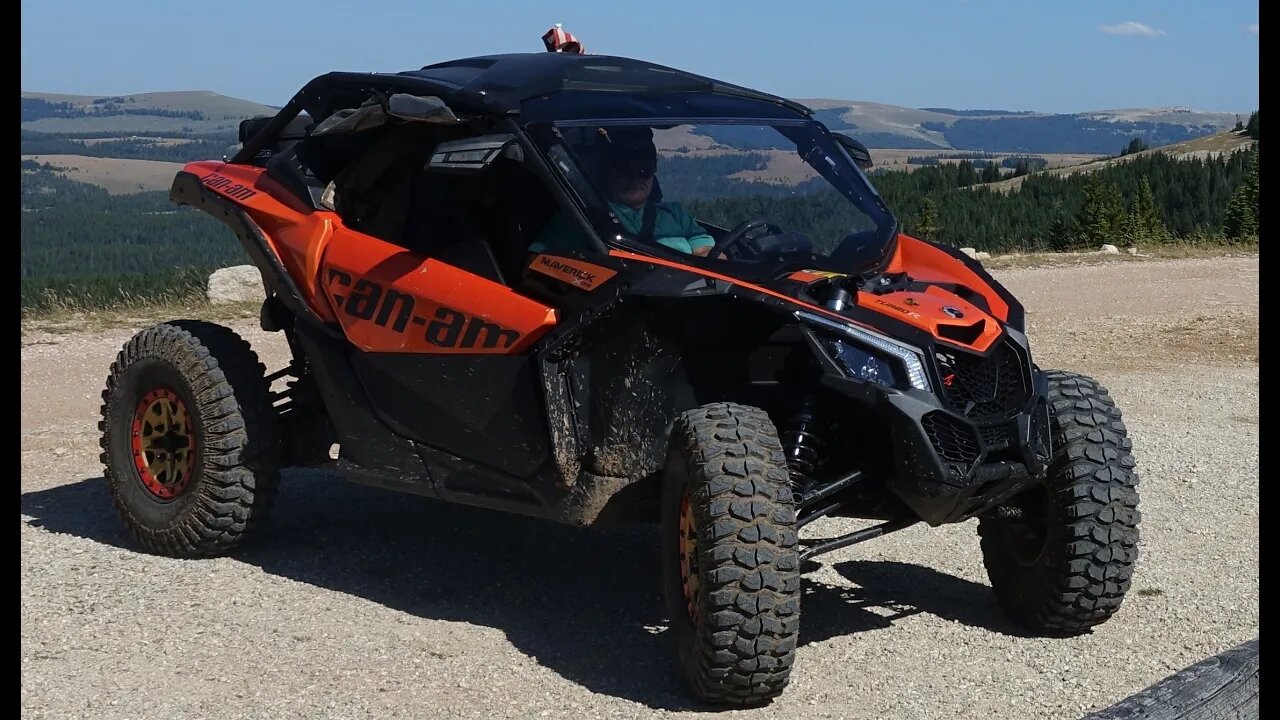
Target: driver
[(631, 163)]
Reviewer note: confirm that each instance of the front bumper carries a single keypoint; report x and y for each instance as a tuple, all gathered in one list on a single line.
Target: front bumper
[(948, 467)]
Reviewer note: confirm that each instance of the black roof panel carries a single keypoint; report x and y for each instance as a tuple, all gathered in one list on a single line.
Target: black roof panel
[(500, 83)]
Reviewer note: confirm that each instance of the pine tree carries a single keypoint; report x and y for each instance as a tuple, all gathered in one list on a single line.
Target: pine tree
[(927, 221), (1062, 233), (1135, 145), (1251, 129), (1102, 212), (965, 175), (1148, 224), (1241, 217), (1129, 230), (991, 173)]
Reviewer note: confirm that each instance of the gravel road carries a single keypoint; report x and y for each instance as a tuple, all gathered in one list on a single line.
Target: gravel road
[(358, 603)]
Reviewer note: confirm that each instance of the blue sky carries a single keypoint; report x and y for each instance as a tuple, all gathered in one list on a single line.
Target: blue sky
[(1043, 55)]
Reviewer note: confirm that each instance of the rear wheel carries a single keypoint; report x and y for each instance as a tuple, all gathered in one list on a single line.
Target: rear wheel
[(1062, 561), (730, 566), (189, 438)]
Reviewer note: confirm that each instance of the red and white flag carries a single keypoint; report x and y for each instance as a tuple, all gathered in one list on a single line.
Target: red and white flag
[(557, 39)]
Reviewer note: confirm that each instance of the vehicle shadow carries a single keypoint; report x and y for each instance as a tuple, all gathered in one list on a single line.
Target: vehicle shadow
[(899, 590), (585, 603)]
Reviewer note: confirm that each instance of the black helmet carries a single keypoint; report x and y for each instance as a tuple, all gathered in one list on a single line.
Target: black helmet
[(626, 145)]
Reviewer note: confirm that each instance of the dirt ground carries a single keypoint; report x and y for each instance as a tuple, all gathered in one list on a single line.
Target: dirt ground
[(357, 603)]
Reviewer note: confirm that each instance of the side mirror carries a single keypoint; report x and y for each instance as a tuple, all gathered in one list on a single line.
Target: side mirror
[(473, 154), (251, 127), (295, 129), (859, 152)]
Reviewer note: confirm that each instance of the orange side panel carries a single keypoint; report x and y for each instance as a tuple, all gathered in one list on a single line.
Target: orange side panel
[(386, 298), (293, 232), (391, 300), (925, 262)]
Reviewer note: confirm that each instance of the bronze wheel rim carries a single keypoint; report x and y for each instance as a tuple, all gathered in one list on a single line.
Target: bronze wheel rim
[(164, 443), (689, 580)]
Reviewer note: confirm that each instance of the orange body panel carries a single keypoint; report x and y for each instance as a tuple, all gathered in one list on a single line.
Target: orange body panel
[(386, 298), (925, 311), (297, 236), (925, 262), (391, 300)]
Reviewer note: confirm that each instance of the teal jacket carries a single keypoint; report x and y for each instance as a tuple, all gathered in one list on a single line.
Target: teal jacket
[(673, 226)]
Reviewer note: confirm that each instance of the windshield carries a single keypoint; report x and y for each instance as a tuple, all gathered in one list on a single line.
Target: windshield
[(763, 194)]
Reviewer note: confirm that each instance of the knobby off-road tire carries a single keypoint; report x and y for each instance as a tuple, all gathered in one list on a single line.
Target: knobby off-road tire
[(1066, 565), (190, 442), (730, 565)]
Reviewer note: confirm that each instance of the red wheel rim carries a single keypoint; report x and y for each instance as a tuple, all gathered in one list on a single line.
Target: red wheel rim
[(164, 443), (689, 580)]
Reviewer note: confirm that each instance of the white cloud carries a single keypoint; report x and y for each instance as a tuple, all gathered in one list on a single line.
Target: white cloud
[(1131, 28), (1251, 29)]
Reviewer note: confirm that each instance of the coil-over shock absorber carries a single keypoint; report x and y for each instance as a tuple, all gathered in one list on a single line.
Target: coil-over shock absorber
[(804, 439)]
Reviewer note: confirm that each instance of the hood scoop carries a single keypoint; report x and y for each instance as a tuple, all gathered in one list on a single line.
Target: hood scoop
[(963, 334)]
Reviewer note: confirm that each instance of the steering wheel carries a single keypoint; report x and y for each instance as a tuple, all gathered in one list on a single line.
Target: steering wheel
[(741, 231)]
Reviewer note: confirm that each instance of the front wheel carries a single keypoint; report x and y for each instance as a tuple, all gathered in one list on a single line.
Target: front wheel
[(1062, 561), (729, 561), (189, 438)]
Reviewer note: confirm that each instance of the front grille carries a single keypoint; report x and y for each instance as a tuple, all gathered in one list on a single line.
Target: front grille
[(953, 440), (978, 387), (995, 438)]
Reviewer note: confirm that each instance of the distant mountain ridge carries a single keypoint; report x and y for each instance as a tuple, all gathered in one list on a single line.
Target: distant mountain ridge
[(1098, 131), (200, 112), (876, 124)]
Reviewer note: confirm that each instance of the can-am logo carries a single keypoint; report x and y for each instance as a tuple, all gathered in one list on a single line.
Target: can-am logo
[(386, 307), (227, 186), (952, 312)]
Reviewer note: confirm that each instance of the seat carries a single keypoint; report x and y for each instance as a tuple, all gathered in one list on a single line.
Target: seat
[(447, 220), (376, 192), (518, 206)]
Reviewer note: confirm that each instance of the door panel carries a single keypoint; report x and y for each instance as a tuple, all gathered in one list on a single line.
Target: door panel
[(486, 408)]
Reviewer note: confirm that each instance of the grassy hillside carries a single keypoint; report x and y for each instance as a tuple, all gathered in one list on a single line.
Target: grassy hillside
[(205, 101), (1209, 146), (198, 111), (1093, 132), (115, 175)]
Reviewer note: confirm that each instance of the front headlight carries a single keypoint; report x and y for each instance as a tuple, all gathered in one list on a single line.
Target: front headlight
[(860, 336), (861, 364)]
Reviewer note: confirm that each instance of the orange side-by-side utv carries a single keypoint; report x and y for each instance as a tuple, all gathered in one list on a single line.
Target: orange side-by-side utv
[(593, 289)]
